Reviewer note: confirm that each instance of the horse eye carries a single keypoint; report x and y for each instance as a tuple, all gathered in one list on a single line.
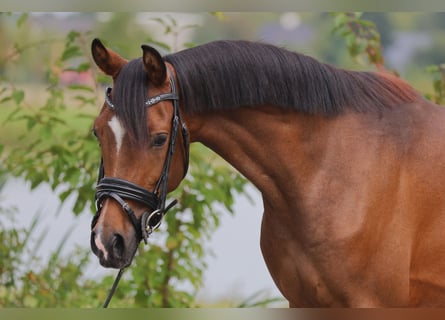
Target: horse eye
[(159, 140)]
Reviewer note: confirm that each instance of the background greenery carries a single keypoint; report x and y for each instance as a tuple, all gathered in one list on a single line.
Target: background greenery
[(50, 93)]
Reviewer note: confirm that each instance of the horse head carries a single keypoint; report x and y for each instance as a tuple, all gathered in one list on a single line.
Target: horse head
[(144, 154)]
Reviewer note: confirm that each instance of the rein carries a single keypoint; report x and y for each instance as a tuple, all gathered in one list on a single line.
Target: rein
[(121, 190)]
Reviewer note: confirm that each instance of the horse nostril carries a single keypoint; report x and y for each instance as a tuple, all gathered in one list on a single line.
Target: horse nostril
[(118, 246)]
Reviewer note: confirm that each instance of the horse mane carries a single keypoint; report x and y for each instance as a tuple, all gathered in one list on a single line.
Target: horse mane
[(223, 75), (228, 74), (129, 97)]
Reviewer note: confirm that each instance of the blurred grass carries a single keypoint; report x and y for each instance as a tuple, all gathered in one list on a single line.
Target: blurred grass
[(259, 299)]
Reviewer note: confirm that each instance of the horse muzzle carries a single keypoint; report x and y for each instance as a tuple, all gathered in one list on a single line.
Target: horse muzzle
[(113, 251)]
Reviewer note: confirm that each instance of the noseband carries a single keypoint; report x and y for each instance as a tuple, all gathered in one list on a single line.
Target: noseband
[(121, 190)]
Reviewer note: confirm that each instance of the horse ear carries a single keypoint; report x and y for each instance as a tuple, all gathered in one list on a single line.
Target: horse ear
[(154, 65), (107, 60)]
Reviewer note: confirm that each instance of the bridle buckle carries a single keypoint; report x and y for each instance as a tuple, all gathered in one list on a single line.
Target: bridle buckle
[(150, 222)]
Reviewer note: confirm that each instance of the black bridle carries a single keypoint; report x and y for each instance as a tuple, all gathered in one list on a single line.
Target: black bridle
[(121, 190)]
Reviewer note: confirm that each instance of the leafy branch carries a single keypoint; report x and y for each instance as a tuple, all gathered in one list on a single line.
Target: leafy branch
[(363, 42), (57, 155), (438, 74), (361, 36)]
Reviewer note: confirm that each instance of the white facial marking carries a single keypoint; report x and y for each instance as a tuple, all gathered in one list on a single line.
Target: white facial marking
[(100, 245), (118, 130)]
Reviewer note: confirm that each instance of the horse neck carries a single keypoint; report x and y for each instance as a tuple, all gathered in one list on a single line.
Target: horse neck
[(268, 145)]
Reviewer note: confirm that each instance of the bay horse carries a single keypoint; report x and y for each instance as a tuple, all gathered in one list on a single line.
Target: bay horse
[(350, 165)]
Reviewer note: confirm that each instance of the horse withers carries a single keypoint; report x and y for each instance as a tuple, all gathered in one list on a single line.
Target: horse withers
[(349, 164)]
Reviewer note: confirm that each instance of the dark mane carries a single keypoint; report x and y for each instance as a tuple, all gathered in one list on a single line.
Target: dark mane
[(228, 74), (129, 97)]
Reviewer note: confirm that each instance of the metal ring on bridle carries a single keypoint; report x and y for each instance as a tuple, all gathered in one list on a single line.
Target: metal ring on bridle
[(148, 225)]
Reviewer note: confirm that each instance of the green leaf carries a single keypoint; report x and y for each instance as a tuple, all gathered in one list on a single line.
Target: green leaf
[(72, 36), (80, 68), (22, 19), (79, 205), (432, 69), (104, 79), (30, 123), (73, 176), (350, 40), (85, 101), (5, 99), (18, 96), (45, 132), (76, 86), (340, 19), (219, 15), (71, 52), (189, 44)]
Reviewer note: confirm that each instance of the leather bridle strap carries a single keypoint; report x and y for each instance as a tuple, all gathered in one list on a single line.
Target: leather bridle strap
[(126, 190), (120, 189)]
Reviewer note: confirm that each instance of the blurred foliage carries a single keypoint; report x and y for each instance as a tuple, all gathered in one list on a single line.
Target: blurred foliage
[(363, 42), (54, 146), (438, 77), (51, 149), (361, 37), (27, 281)]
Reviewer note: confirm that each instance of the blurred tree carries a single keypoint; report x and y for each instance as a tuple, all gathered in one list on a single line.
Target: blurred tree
[(361, 37), (384, 25)]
